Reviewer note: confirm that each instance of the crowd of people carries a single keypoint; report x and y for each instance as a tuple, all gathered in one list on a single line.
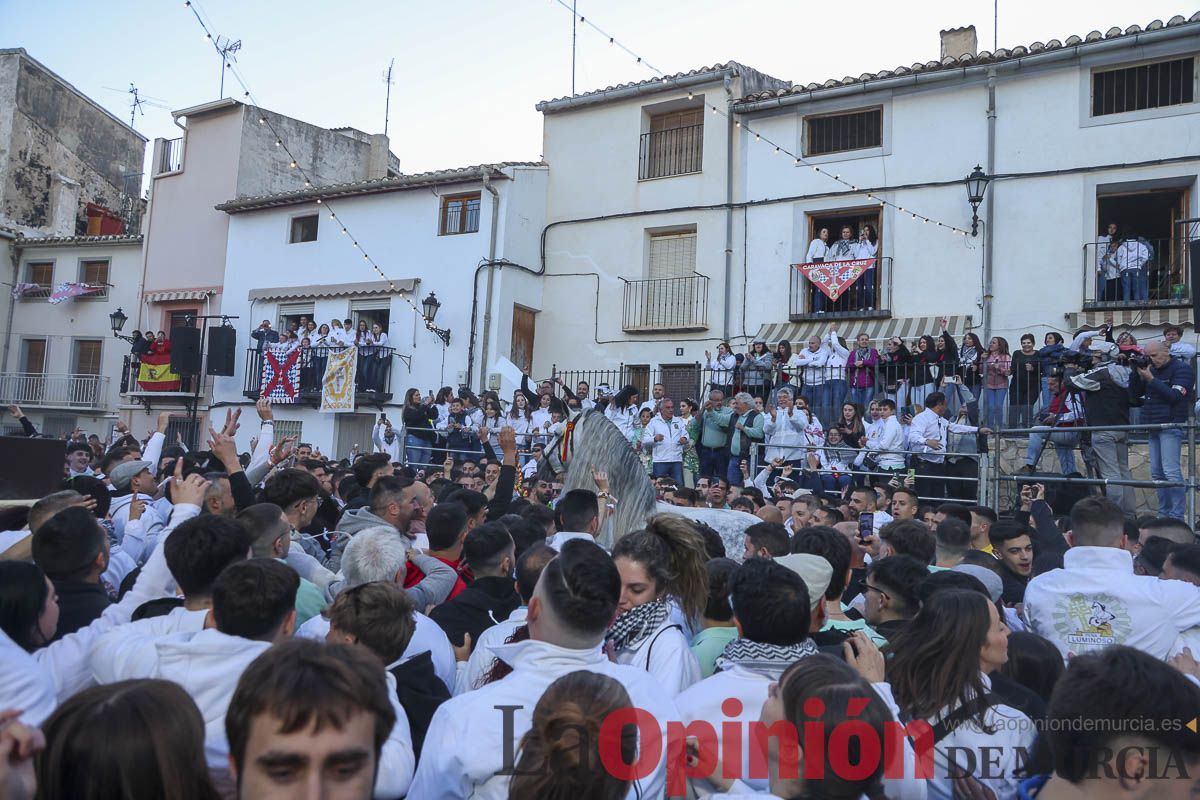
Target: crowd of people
[(316, 343), (276, 623)]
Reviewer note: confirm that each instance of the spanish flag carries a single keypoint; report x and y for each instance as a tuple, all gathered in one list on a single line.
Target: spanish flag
[(155, 375)]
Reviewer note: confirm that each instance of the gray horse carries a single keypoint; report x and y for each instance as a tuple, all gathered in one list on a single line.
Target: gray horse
[(592, 440)]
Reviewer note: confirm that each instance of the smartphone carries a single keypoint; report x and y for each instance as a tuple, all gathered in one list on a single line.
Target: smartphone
[(912, 473), (866, 526), (908, 411)]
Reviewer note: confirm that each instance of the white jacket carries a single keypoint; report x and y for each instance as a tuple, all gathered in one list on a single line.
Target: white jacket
[(669, 450), (817, 251), (666, 655), (623, 418), (392, 448), (813, 362), (154, 517), (1095, 601), (471, 670), (785, 434), (722, 369), (465, 746), (884, 435), (26, 686), (131, 648), (1132, 254)]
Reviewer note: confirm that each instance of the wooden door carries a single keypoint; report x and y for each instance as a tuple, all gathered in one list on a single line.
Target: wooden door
[(523, 322)]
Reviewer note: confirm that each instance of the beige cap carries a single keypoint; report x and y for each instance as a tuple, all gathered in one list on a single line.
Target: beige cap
[(814, 570)]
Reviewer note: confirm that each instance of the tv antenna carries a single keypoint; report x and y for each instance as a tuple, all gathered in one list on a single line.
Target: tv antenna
[(228, 49), (137, 102), (387, 103)]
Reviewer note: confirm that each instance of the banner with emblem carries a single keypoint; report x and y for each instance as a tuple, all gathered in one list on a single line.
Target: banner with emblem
[(337, 387), (280, 374), (833, 278), (154, 373)]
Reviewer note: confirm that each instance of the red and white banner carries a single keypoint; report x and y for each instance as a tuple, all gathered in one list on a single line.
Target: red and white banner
[(280, 374), (835, 277), (65, 291)]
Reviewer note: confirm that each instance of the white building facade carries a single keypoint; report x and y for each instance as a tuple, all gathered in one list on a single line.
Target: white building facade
[(431, 233)]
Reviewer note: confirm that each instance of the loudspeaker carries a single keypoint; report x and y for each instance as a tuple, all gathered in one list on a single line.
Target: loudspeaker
[(222, 340), (1194, 253), (185, 351)]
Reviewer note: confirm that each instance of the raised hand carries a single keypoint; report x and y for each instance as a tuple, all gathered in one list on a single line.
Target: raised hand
[(223, 447), (263, 407)]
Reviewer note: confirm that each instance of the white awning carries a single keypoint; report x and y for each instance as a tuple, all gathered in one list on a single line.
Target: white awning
[(316, 291), (877, 329), (1130, 317), (171, 297)]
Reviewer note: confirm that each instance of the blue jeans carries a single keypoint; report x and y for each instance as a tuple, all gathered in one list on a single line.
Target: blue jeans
[(713, 461), (1165, 447), (993, 405), (1134, 285), (1064, 442), (1045, 395), (818, 400), (417, 451), (733, 472), (834, 484), (669, 469), (837, 391), (862, 396), (864, 289)]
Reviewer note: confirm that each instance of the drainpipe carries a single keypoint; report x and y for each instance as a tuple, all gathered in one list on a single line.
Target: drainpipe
[(14, 254), (491, 281), (726, 329), (990, 211)]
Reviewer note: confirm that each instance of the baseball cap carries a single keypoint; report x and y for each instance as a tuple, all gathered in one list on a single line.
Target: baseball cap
[(126, 471), (990, 580), (814, 570)]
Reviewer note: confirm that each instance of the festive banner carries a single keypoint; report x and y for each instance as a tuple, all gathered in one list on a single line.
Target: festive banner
[(155, 375), (65, 291), (280, 374), (834, 277), (20, 290), (337, 386)]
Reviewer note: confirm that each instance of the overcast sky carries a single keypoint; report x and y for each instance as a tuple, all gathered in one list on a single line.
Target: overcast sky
[(468, 73)]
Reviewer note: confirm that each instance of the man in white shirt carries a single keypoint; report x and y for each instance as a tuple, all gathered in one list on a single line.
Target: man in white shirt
[(1133, 257), (470, 748), (1096, 600), (667, 436), (657, 393), (885, 440), (576, 516), (927, 437)]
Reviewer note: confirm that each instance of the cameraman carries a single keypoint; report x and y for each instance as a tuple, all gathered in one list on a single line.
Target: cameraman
[(1165, 385), (1105, 392), (1058, 420)]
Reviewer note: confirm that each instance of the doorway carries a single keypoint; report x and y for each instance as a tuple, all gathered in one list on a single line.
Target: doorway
[(859, 296), (1149, 216), (524, 321), (351, 430)]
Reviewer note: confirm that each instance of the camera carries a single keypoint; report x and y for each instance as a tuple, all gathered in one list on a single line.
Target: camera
[(1137, 360)]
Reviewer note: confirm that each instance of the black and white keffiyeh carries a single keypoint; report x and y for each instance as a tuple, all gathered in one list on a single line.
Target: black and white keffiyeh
[(636, 624), (771, 658)]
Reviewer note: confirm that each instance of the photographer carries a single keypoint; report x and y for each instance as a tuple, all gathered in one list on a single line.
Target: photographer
[(1105, 392), (1165, 385), (1057, 422)]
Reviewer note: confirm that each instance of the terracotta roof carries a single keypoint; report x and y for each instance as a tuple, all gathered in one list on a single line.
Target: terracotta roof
[(60, 241), (664, 83), (984, 57), (376, 186)]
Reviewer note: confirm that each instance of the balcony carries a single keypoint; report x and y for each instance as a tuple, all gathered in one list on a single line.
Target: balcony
[(675, 151), (859, 300), (1165, 282), (170, 157), (372, 380), (666, 304), (38, 390)]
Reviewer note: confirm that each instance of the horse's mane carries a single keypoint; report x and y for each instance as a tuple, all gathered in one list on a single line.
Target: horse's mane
[(599, 443)]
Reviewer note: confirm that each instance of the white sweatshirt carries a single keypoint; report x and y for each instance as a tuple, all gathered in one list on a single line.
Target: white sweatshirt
[(26, 686), (670, 449), (666, 655), (471, 670), (785, 434)]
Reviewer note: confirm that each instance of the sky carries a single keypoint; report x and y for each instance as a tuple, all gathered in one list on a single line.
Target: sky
[(467, 74)]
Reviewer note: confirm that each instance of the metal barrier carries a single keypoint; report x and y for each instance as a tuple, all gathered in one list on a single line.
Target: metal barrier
[(372, 376), (1146, 272)]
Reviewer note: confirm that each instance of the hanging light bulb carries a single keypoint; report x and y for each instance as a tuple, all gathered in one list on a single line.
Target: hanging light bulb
[(292, 165)]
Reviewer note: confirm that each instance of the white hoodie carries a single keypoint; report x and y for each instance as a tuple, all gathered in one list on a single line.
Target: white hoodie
[(466, 746), (665, 654), (26, 686), (470, 671)]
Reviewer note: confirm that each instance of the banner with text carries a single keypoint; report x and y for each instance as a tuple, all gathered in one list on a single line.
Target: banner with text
[(835, 277), (337, 385)]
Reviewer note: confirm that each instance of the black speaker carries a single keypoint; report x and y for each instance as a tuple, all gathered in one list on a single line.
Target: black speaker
[(1194, 254), (222, 340), (185, 351)]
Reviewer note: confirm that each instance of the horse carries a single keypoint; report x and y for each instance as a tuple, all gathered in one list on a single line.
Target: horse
[(591, 440)]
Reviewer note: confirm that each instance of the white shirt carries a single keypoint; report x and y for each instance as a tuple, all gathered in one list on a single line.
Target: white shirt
[(817, 251), (930, 425), (813, 362), (623, 418), (1106, 257), (785, 434), (722, 369), (670, 449), (562, 537), (465, 746), (26, 686), (1132, 254), (886, 435), (1095, 601)]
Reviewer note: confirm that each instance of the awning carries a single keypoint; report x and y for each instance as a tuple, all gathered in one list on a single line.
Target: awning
[(1130, 317), (171, 297), (315, 291), (877, 329)]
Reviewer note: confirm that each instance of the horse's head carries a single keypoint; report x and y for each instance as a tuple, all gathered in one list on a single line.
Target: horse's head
[(557, 454)]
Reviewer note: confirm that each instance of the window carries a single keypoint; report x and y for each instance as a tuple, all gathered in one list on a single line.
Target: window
[(86, 360), (59, 426), (672, 255), (41, 273), (838, 133), (184, 427), (1163, 83), (674, 145), (181, 318), (304, 229), (94, 272), (460, 214), (287, 427), (33, 356)]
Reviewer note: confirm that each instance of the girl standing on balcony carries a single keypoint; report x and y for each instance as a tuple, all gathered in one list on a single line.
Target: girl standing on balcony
[(970, 363), (783, 358), (818, 252), (894, 363), (308, 375), (866, 247), (756, 369), (721, 368), (998, 367), (161, 346), (519, 420), (377, 349)]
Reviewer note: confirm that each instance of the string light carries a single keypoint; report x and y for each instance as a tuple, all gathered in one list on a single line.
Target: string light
[(799, 160)]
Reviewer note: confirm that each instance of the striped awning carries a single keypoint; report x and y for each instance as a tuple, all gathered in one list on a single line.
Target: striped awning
[(1130, 317), (327, 290), (182, 294), (878, 329)]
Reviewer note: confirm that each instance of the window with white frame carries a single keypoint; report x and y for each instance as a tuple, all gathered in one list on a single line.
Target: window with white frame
[(1155, 85), (842, 132)]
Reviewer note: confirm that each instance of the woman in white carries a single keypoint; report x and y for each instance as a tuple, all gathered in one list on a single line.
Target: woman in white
[(539, 420), (939, 673), (519, 419), (622, 410), (493, 421), (721, 368), (818, 252), (785, 431), (660, 566)]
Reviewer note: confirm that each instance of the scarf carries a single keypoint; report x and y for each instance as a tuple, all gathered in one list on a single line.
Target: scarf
[(773, 658), (636, 624), (967, 354)]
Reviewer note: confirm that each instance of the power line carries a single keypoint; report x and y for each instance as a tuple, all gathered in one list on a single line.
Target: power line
[(779, 149)]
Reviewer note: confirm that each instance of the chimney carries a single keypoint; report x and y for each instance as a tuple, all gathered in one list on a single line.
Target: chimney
[(958, 42), (377, 159), (64, 206)]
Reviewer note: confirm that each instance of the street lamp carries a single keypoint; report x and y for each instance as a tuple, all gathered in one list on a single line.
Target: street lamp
[(977, 183), (118, 319), (430, 306)]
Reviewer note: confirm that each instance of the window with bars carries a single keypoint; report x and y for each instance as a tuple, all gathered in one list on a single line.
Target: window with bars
[(1156, 85), (40, 272), (459, 214), (95, 273), (838, 133), (674, 145), (287, 427), (304, 229), (87, 356)]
